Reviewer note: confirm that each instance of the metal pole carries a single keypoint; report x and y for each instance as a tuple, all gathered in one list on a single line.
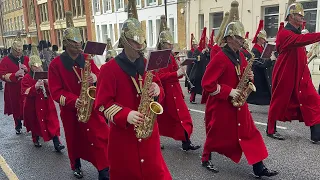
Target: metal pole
[(2, 24), (165, 9)]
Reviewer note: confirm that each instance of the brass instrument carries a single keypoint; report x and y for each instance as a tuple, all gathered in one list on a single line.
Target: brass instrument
[(149, 108), (183, 56), (87, 93), (245, 85)]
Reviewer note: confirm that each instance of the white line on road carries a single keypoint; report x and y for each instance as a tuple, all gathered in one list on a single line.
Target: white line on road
[(259, 123), (7, 170)]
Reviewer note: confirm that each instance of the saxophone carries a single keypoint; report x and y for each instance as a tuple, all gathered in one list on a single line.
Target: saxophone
[(244, 85), (149, 108), (87, 94)]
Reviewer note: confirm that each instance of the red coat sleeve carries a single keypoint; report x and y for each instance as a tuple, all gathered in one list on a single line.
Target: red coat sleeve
[(28, 88), (210, 83), (156, 79), (58, 94), (105, 99), (289, 39), (169, 74), (5, 74)]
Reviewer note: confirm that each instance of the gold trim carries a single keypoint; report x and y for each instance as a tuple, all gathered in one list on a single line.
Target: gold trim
[(101, 108), (62, 100), (111, 112), (7, 77)]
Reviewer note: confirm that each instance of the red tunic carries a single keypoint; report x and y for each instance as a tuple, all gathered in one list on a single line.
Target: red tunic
[(205, 95), (89, 140), (231, 130), (130, 158), (39, 114), (12, 90), (176, 118), (293, 94)]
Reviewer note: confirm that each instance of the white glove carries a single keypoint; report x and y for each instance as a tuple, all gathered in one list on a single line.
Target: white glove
[(38, 84), (234, 93), (19, 73), (135, 118), (273, 57), (181, 71)]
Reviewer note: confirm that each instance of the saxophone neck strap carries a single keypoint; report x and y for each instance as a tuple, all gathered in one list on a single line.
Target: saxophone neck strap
[(238, 70), (77, 74), (138, 87)]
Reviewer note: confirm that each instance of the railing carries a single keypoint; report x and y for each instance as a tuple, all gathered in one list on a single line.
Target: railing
[(13, 33)]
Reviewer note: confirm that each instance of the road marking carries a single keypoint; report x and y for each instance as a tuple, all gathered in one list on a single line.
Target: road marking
[(7, 170), (259, 123)]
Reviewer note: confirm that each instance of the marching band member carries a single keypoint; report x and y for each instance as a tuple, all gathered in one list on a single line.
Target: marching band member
[(12, 69), (202, 55), (293, 94), (118, 96), (194, 46), (176, 120), (232, 130), (39, 112), (87, 141)]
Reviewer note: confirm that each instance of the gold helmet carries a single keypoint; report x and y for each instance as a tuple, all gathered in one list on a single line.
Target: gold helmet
[(71, 33), (131, 28), (260, 33), (34, 58), (17, 44), (233, 16), (235, 28), (165, 35), (294, 8), (110, 51)]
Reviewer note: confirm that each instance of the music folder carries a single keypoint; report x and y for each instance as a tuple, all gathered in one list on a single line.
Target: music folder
[(267, 51), (40, 75), (188, 61), (158, 59), (95, 48)]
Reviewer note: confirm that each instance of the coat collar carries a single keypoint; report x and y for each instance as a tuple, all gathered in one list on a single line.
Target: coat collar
[(68, 62), (131, 68), (233, 56), (290, 27), (16, 60)]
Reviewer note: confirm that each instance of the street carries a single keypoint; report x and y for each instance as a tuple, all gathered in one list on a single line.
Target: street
[(295, 158)]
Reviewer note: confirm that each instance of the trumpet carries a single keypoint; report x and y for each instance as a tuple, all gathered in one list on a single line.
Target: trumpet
[(184, 72)]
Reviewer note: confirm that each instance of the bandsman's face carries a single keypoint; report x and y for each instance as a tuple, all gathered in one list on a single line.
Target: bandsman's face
[(167, 46), (36, 69), (74, 47), (17, 52)]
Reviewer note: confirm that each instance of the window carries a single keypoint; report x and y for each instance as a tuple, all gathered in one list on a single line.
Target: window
[(78, 8), (22, 22), (111, 33), (83, 32), (150, 33), (171, 26), (46, 35), (15, 23), (31, 14), (106, 6), (98, 34), (105, 35), (151, 2), (18, 23), (310, 15), (96, 6), (138, 3), (271, 19), (118, 5), (43, 12), (201, 24), (215, 21), (158, 22)]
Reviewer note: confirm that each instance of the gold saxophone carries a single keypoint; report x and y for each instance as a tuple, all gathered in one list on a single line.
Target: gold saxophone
[(245, 86), (149, 108), (87, 94)]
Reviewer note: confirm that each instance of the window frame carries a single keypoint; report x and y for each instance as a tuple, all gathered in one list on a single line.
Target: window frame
[(270, 15)]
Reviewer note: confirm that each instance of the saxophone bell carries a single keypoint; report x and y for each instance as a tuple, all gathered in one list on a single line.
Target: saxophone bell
[(91, 92), (156, 107)]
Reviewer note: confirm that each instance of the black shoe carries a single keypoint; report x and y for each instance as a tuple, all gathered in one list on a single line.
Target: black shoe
[(37, 144), (161, 146), (78, 173), (266, 172), (104, 174), (276, 136), (315, 141), (18, 131), (190, 146), (193, 102), (59, 147), (210, 166)]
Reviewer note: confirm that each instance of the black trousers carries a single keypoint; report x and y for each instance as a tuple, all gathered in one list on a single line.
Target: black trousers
[(315, 132)]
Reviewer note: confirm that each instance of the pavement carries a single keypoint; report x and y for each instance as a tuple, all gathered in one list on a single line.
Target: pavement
[(295, 158)]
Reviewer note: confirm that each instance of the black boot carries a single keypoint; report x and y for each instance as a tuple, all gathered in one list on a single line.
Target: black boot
[(104, 174), (187, 145), (18, 127), (260, 170), (315, 134), (161, 146), (210, 166), (37, 143), (275, 135), (77, 172), (57, 145)]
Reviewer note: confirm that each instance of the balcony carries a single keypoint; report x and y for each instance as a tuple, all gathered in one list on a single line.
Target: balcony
[(14, 33)]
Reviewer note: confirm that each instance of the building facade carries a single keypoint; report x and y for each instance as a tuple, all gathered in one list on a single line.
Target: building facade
[(109, 16), (208, 13), (12, 21), (45, 19)]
